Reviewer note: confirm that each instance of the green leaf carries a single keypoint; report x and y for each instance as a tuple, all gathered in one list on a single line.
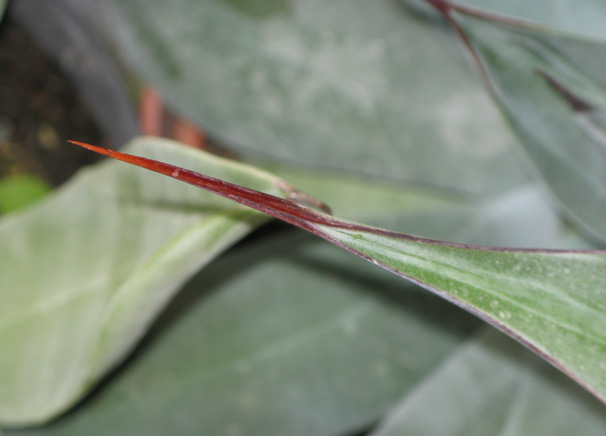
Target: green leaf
[(550, 300), (86, 270), (493, 386), (369, 198), (540, 92), (3, 4), (276, 338), (582, 17), (521, 217), (19, 191), (314, 274), (358, 86)]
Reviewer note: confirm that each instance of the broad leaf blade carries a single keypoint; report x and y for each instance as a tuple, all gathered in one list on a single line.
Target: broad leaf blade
[(521, 217), (581, 17), (319, 282), (357, 86), (276, 338), (493, 386), (550, 300), (18, 191), (541, 92), (85, 271)]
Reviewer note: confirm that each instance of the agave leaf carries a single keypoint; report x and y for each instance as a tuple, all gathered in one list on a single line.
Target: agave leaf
[(552, 301), (85, 270)]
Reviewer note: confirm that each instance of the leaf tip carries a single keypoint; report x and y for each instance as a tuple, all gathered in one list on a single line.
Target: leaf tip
[(94, 148)]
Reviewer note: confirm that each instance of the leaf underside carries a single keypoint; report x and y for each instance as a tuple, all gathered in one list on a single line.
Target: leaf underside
[(108, 250)]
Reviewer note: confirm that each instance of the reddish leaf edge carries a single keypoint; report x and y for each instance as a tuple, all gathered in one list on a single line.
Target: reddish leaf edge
[(288, 210), (308, 219)]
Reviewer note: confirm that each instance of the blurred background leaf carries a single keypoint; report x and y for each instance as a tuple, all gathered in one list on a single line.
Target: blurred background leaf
[(540, 91), (18, 191), (350, 86), (493, 386), (289, 336), (279, 345), (85, 271), (584, 18), (369, 107)]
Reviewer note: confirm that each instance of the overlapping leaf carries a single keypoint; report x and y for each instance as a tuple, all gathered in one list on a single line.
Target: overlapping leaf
[(338, 347), (111, 198), (346, 85), (276, 338), (552, 301), (581, 17), (530, 78), (498, 388), (550, 88), (86, 270)]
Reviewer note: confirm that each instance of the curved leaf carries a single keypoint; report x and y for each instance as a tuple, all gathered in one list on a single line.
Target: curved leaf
[(491, 387), (279, 337), (86, 270), (582, 17), (538, 79), (539, 91), (521, 217), (358, 86), (550, 300)]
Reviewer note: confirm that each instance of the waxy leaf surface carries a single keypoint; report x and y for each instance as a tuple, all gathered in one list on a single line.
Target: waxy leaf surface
[(288, 336), (584, 18), (552, 301), (86, 270), (492, 386), (347, 85), (520, 217), (553, 105)]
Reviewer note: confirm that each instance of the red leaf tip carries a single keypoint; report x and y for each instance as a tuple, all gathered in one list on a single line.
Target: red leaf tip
[(94, 148)]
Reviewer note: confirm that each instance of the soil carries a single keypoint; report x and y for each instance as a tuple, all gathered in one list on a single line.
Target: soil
[(39, 110)]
